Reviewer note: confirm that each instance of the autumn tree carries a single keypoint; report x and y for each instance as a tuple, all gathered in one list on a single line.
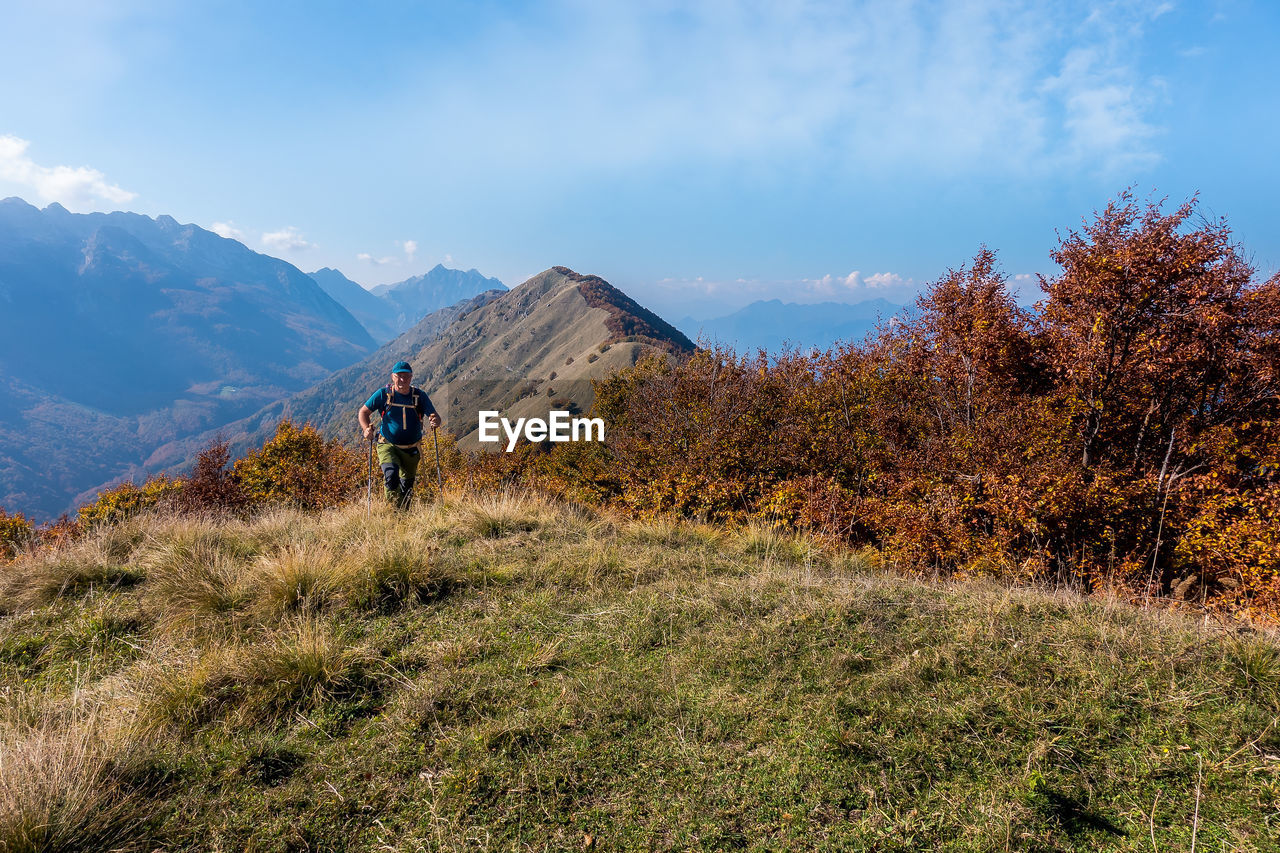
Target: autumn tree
[(298, 467), (1148, 329)]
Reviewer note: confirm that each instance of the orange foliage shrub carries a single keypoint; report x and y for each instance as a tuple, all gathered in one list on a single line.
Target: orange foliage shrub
[(211, 487), (127, 499), (299, 468), (15, 532)]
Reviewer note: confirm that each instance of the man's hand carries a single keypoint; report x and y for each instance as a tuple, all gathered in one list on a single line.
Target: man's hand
[(434, 420), (369, 432)]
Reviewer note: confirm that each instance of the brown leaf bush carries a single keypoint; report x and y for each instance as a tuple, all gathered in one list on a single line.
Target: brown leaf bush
[(1122, 433)]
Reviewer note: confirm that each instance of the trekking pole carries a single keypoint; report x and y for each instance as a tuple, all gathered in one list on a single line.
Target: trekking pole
[(369, 479), (435, 437)]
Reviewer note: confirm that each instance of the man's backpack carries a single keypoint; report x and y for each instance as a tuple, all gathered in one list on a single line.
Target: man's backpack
[(404, 415)]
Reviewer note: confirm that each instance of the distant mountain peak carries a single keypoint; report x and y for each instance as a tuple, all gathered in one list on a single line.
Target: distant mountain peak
[(416, 297)]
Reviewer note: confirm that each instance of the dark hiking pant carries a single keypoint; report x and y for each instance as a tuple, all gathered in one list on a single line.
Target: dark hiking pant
[(399, 471)]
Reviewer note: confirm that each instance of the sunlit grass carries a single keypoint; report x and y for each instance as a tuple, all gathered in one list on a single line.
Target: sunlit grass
[(518, 673)]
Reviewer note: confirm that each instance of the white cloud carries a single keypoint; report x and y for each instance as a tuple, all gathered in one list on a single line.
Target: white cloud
[(1102, 113), (77, 188), (370, 259), (855, 285), (714, 296), (870, 85), (287, 239), (228, 230), (410, 248), (884, 279)]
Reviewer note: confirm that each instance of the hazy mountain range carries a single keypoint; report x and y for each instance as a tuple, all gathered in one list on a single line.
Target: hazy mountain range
[(127, 343), (121, 335), (774, 325), (390, 309), (414, 298)]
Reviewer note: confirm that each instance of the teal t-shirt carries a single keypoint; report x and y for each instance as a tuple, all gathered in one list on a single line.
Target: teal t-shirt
[(402, 414)]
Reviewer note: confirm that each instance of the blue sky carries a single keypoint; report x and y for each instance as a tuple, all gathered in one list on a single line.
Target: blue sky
[(700, 155)]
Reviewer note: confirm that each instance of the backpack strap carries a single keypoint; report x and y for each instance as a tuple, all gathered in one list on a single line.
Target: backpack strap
[(404, 415)]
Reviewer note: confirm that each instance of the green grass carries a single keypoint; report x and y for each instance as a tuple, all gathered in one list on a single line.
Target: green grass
[(509, 673)]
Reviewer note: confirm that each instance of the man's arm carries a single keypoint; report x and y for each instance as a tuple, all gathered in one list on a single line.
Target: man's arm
[(366, 423), (428, 408)]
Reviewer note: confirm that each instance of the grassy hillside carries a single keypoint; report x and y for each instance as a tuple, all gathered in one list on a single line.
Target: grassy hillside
[(504, 673)]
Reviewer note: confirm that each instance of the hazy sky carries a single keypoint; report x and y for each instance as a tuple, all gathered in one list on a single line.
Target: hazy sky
[(700, 155)]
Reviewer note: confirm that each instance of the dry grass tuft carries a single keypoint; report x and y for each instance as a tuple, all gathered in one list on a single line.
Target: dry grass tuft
[(196, 579), (281, 527), (1257, 662), (37, 578), (390, 571), (299, 664), (63, 786), (302, 577), (667, 532), (769, 545), (302, 663), (499, 515)]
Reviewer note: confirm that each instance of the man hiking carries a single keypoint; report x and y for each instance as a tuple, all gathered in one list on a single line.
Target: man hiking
[(402, 408)]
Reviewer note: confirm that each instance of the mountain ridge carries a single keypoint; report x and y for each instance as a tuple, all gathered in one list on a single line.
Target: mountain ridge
[(372, 312), (388, 310), (419, 295)]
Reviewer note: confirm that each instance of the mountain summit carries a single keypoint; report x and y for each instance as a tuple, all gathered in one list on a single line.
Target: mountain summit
[(439, 287), (390, 309), (537, 347)]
